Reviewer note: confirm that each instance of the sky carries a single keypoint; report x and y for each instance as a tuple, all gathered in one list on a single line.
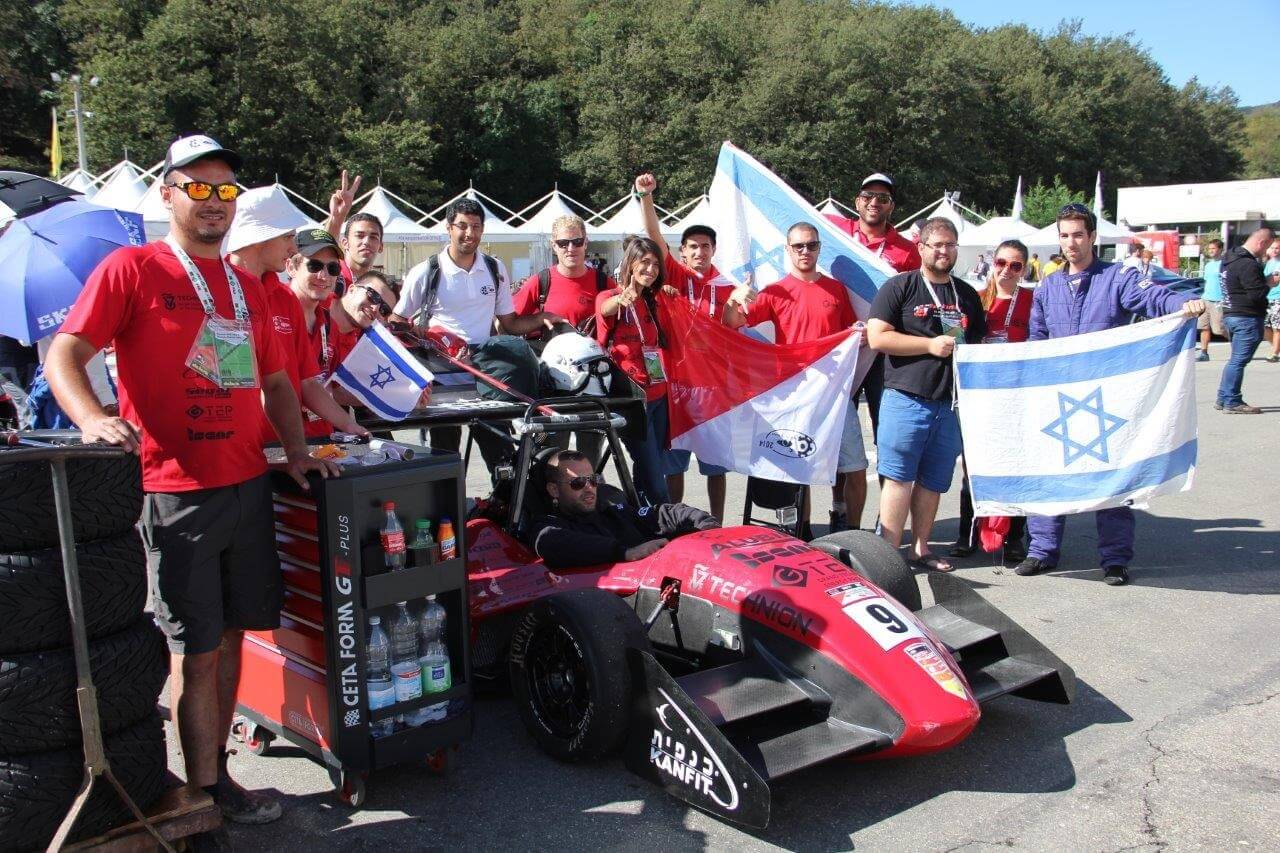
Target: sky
[(1179, 35)]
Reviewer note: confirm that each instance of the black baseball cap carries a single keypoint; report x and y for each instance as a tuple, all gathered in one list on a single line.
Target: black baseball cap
[(189, 149), (312, 241)]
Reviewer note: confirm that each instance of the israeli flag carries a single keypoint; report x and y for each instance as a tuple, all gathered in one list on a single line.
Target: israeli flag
[(751, 210), (383, 375), (1079, 423)]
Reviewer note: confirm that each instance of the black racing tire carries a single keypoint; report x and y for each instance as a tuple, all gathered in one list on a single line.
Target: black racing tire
[(106, 500), (876, 560), (33, 595), (38, 710), (37, 789), (569, 673)]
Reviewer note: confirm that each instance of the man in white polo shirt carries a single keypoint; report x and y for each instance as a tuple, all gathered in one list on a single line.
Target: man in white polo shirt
[(467, 293)]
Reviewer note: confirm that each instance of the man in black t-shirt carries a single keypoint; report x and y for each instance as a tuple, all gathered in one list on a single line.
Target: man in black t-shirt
[(916, 320)]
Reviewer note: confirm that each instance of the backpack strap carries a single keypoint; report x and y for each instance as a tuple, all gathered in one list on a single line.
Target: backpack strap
[(544, 287), (492, 264), (429, 293), (602, 280)]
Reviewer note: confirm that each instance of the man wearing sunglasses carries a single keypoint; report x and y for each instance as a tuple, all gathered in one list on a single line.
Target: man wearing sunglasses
[(586, 528), (192, 411), (1089, 295), (694, 277), (804, 306)]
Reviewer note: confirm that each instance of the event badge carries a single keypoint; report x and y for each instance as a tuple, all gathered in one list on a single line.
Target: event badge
[(952, 323), (653, 365), (223, 354), (997, 338)]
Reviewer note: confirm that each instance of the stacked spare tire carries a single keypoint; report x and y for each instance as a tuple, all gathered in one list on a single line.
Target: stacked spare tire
[(41, 752)]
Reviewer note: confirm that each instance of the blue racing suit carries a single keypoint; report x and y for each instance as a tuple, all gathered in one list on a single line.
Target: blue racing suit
[(1104, 296)]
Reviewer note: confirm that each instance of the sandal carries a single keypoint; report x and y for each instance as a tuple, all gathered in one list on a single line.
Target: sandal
[(933, 563)]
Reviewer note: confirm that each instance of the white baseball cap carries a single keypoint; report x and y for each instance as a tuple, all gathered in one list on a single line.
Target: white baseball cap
[(189, 149), (261, 214)]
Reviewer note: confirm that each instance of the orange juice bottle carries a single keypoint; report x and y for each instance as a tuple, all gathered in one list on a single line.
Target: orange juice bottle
[(448, 541)]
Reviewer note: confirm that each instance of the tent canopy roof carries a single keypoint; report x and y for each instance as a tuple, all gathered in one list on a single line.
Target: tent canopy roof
[(557, 205), (397, 227), (124, 190), (995, 231), (627, 218), (496, 229)]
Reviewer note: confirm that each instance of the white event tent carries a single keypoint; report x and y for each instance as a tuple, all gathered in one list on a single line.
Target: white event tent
[(537, 226), (697, 214), (627, 218), (123, 188), (80, 181), (496, 229), (415, 241)]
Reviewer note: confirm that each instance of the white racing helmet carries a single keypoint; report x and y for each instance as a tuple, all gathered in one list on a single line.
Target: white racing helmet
[(577, 364)]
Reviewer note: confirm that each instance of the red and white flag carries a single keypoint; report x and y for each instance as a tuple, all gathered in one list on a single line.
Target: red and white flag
[(754, 407)]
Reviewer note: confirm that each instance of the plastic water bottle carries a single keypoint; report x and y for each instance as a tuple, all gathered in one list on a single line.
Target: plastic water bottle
[(392, 535), (423, 544), (406, 674), (382, 693), (433, 656)]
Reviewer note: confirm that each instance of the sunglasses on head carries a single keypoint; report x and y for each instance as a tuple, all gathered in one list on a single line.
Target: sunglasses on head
[(868, 195), (580, 483), (202, 191), (376, 298), (333, 268), (1015, 266), (575, 242), (810, 246)]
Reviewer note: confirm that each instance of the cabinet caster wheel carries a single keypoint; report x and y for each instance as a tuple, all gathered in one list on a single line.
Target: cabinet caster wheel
[(257, 739), (442, 761), (351, 787)]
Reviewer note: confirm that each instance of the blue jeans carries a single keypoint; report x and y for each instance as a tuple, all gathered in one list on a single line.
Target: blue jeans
[(1246, 335), (646, 456)]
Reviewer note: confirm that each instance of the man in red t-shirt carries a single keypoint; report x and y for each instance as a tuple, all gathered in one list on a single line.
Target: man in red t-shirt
[(804, 306), (696, 278), (571, 291), (191, 407)]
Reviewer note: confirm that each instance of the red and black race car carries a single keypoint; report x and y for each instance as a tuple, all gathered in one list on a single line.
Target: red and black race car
[(735, 657)]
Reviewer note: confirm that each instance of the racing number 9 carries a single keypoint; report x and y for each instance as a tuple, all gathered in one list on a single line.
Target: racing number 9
[(885, 617)]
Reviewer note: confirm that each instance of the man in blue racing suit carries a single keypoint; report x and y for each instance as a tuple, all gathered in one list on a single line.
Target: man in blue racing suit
[(1089, 295)]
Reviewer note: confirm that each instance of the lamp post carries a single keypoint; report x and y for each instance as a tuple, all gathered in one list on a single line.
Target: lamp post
[(78, 113)]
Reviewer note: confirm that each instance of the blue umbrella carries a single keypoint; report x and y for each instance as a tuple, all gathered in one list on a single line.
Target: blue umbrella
[(46, 258)]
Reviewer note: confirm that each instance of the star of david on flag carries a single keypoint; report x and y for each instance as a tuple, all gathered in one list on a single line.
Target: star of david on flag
[(383, 375), (1079, 423)]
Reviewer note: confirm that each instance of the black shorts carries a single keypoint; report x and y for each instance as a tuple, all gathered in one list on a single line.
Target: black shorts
[(212, 563)]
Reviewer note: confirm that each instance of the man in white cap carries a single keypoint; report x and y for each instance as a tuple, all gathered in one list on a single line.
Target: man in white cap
[(197, 366), (262, 241)]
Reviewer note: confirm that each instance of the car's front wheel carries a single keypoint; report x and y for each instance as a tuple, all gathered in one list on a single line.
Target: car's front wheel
[(569, 672)]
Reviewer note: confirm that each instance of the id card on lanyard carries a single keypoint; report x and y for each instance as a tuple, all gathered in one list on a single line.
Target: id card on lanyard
[(1002, 336), (223, 349), (952, 319), (711, 297), (652, 354)]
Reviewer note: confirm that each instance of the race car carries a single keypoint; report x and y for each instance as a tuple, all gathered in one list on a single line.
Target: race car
[(732, 658)]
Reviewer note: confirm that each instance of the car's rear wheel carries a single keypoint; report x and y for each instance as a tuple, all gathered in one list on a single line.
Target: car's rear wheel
[(569, 672), (876, 560)]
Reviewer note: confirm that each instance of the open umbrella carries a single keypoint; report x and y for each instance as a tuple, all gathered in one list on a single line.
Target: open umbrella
[(25, 194), (46, 257)]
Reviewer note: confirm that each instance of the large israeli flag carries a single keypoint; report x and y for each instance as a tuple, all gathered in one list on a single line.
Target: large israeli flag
[(383, 374), (1079, 423), (752, 208)]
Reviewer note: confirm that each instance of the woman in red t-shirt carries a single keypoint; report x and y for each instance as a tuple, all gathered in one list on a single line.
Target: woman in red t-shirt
[(1008, 307), (627, 327)]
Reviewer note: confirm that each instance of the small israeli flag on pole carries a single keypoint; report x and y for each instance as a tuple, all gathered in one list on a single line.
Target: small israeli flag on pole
[(1080, 423), (383, 375)]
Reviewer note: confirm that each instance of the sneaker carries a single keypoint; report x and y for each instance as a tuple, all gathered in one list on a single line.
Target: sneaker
[(1272, 359), (1030, 566), (1242, 409), (961, 550), (1115, 575), (240, 805), (1217, 407), (1203, 356), (838, 522)]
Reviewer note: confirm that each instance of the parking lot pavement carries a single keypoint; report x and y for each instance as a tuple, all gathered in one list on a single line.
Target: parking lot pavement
[(1171, 744)]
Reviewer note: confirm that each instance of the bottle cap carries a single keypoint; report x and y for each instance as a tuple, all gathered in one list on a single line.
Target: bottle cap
[(375, 620), (401, 603), (424, 524), (444, 519), (388, 505)]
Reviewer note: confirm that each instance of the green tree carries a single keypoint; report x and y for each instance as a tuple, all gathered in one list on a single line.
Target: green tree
[(30, 48), (1041, 203), (1262, 143)]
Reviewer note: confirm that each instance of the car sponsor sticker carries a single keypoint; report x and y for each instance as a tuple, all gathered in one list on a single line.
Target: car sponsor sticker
[(939, 670), (883, 622), (679, 751), (848, 593)]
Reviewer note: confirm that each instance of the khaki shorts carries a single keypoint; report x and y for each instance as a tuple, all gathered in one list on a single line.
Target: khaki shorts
[(1211, 319)]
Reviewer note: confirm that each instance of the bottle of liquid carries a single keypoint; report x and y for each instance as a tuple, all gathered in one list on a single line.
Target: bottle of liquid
[(392, 539), (406, 674), (448, 542), (423, 545), (382, 693), (433, 657)]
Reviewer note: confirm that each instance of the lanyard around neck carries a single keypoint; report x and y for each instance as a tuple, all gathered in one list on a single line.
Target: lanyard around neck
[(933, 294), (201, 286)]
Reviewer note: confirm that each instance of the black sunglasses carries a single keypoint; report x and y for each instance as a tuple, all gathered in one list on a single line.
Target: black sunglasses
[(580, 483), (811, 246), (575, 242), (869, 195), (376, 298), (333, 268)]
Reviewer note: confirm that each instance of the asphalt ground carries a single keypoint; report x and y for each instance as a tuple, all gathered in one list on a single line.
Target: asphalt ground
[(1172, 742)]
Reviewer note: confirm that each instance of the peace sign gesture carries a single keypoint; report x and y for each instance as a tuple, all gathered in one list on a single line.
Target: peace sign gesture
[(342, 199)]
